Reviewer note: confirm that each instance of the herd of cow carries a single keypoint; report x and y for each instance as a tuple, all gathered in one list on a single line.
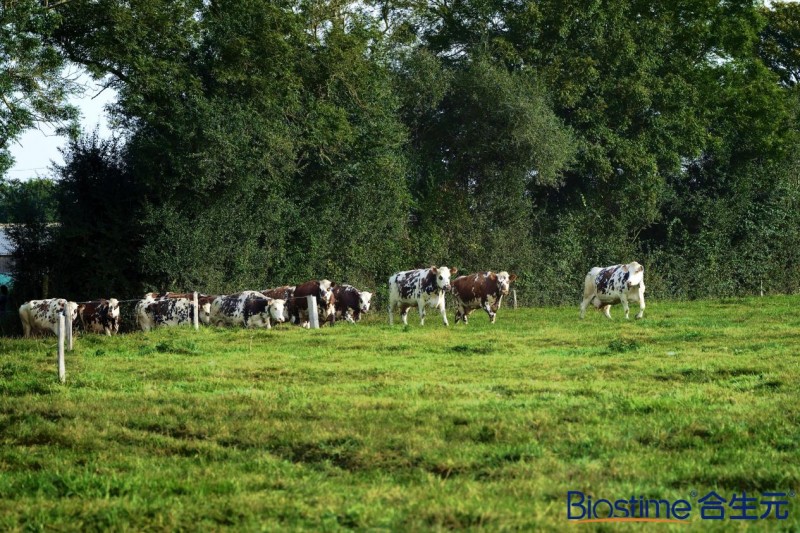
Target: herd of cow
[(422, 288)]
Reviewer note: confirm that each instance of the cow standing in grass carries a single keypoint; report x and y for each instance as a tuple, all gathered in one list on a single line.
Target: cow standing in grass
[(100, 316), (351, 302), (604, 287), (169, 312), (38, 316), (203, 300), (422, 287), (322, 290), (249, 309), (483, 290)]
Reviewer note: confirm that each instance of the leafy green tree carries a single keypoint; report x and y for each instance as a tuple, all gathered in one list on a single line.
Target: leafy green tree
[(98, 239), (32, 213), (780, 41), (33, 86)]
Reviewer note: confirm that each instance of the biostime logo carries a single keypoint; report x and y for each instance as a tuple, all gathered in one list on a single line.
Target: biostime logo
[(582, 509)]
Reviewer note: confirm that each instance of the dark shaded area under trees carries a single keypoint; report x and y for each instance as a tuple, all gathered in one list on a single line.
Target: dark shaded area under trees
[(273, 142)]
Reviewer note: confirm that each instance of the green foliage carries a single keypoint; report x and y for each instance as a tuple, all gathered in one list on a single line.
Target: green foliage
[(32, 211), (780, 41), (98, 239), (32, 87), (271, 143)]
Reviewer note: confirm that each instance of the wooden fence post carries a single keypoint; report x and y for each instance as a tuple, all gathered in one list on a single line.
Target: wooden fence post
[(313, 315), (62, 368), (196, 312), (514, 297)]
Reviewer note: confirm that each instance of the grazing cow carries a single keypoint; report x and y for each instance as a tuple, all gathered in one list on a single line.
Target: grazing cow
[(42, 315), (203, 300), (425, 286), (484, 290), (349, 298), (248, 309), (151, 313), (611, 285), (100, 316), (326, 301)]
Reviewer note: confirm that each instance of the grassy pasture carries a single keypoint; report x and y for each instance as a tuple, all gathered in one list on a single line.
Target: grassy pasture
[(372, 427)]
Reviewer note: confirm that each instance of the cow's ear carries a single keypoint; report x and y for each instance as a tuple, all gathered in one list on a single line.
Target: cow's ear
[(333, 284), (492, 276), (512, 277), (640, 269), (625, 268), (434, 270), (454, 270)]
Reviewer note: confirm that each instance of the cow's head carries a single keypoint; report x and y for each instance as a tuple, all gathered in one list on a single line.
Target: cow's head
[(277, 310), (635, 273), (504, 281), (443, 274), (205, 313), (113, 308), (326, 290), (71, 310), (364, 299)]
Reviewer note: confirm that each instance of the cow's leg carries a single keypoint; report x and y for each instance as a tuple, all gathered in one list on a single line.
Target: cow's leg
[(421, 307), (26, 327), (623, 298), (391, 314), (348, 317), (488, 308), (460, 313), (404, 313), (587, 299), (466, 315), (443, 311), (640, 314), (606, 309)]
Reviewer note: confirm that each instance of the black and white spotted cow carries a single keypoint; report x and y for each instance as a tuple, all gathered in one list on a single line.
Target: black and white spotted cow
[(612, 285), (250, 309), (39, 316), (166, 312), (422, 287)]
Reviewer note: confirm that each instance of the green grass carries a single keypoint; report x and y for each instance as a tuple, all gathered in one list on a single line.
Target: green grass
[(372, 427)]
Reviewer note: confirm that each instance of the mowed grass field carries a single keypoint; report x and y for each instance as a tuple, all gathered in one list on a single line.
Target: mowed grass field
[(370, 427)]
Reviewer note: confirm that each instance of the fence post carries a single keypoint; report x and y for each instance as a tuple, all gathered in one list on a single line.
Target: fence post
[(62, 369), (313, 315), (514, 297), (68, 326), (196, 312)]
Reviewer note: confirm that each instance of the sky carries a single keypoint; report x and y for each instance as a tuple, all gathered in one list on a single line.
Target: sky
[(36, 149)]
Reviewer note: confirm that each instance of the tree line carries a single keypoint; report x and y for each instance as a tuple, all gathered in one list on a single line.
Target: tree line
[(266, 142)]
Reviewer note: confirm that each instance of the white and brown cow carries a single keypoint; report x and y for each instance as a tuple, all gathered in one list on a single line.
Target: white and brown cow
[(40, 316), (168, 312), (483, 290), (322, 290), (249, 309), (421, 287), (604, 287), (100, 316), (347, 299)]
